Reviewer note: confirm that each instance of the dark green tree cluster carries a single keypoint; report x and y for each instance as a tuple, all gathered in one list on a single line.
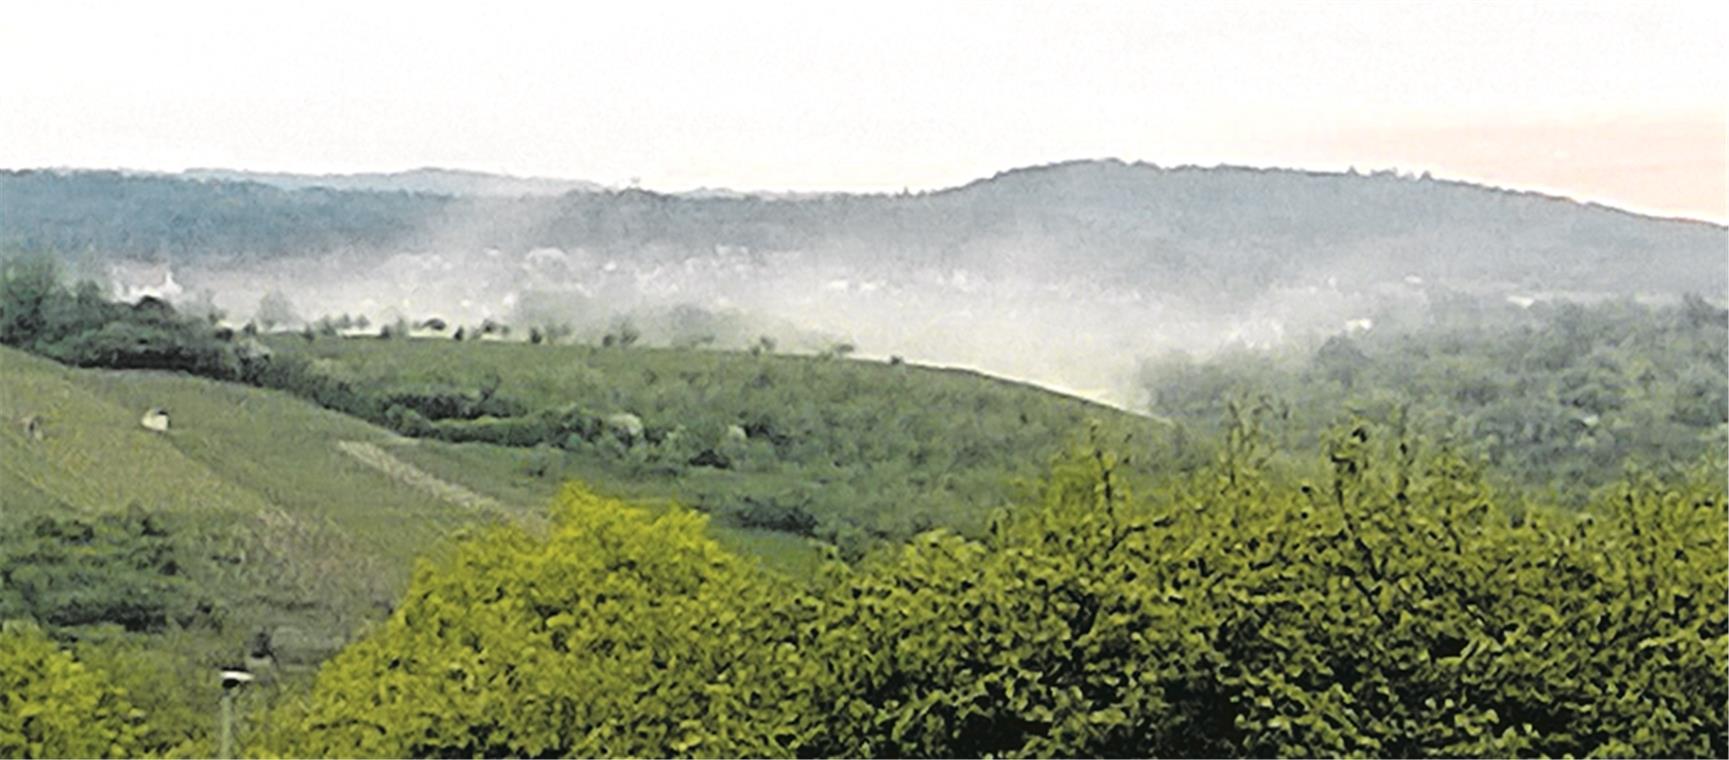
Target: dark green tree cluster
[(1397, 607), (83, 327), (126, 569)]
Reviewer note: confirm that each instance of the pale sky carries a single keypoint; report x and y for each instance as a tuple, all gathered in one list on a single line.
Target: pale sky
[(1620, 103)]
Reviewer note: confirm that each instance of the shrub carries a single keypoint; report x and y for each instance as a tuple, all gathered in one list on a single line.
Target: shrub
[(126, 569), (784, 512), (52, 705), (1396, 608), (619, 634)]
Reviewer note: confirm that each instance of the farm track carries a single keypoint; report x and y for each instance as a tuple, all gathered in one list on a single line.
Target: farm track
[(379, 459)]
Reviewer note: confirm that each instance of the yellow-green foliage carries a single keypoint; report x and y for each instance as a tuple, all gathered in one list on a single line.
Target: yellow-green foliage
[(1397, 608), (52, 705), (621, 633)]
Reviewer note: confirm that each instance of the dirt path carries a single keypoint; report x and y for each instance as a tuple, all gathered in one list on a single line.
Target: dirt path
[(379, 459)]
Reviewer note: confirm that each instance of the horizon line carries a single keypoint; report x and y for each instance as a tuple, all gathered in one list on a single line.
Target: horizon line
[(1401, 172)]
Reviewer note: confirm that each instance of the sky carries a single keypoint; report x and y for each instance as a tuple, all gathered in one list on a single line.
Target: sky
[(1624, 104)]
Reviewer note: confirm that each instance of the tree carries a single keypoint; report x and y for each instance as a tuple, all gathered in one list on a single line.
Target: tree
[(1340, 360), (274, 309), (123, 569), (1395, 608), (27, 285), (524, 646)]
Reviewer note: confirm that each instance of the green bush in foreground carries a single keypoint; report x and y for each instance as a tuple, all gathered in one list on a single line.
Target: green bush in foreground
[(1397, 609)]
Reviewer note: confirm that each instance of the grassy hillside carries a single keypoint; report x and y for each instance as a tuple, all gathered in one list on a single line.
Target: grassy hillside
[(848, 451), (290, 530), (303, 520), (165, 554), (295, 525)]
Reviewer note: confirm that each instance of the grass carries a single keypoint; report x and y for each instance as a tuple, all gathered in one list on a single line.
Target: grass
[(868, 450), (328, 538)]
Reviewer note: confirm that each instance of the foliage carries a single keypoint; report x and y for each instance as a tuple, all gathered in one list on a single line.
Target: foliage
[(1559, 397), (52, 705), (80, 326), (619, 634), (125, 569), (1399, 607), (275, 309)]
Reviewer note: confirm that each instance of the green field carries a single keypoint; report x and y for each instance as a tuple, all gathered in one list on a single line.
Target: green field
[(850, 452), (328, 541)]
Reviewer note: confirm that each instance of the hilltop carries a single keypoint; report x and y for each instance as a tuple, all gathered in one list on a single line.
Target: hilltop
[(1237, 229), (430, 180)]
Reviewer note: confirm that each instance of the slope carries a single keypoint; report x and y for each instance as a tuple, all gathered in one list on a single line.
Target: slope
[(848, 451), (289, 529)]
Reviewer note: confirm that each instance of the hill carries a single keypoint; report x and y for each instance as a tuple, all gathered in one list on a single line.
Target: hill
[(1066, 275), (848, 451), (1160, 228), (294, 518), (285, 530), (427, 180)]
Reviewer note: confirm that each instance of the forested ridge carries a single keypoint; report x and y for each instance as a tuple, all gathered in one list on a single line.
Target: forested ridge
[(1231, 231)]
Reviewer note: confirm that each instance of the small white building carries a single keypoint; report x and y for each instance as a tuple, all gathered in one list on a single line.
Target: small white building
[(156, 419)]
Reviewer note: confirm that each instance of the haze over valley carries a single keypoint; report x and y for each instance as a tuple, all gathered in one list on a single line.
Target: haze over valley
[(1068, 275)]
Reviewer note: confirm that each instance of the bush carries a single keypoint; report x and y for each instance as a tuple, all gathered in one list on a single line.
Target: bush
[(784, 512), (439, 404), (298, 376), (125, 569), (52, 705), (132, 345), (1396, 608), (620, 634)]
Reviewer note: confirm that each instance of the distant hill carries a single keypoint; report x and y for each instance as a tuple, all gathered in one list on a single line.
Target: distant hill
[(427, 180), (1229, 230)]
